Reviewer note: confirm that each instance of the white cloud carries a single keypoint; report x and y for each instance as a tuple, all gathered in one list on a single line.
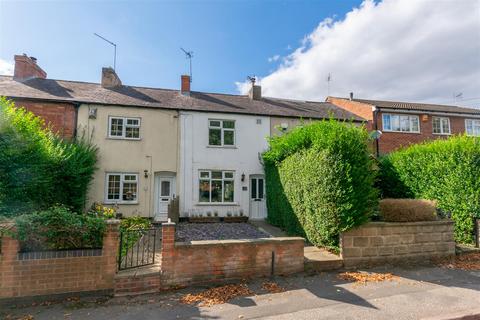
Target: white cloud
[(420, 50), (6, 67), (274, 58)]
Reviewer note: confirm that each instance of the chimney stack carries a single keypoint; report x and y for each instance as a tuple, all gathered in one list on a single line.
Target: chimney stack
[(185, 85), (110, 78), (351, 96), (27, 68), (255, 92)]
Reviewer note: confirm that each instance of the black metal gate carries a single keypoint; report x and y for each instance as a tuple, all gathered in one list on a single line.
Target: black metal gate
[(138, 247)]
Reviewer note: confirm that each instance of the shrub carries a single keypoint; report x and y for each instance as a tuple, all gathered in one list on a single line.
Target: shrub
[(319, 181), (59, 228), (407, 210), (37, 168), (447, 171)]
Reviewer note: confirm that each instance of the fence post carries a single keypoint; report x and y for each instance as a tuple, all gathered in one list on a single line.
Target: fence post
[(168, 249)]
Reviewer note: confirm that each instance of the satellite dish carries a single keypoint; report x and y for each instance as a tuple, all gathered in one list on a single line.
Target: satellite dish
[(376, 134)]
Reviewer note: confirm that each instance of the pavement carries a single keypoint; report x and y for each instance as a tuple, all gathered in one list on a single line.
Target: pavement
[(417, 293)]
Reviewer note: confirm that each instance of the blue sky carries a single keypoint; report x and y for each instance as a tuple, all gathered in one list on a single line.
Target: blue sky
[(230, 39)]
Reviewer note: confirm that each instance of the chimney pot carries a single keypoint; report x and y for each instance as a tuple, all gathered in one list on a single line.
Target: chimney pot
[(110, 78), (351, 95), (27, 68), (185, 85), (255, 92)]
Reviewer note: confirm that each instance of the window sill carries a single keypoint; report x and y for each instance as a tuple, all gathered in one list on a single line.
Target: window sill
[(121, 203), (235, 204), (222, 147), (126, 139), (410, 132), (441, 134)]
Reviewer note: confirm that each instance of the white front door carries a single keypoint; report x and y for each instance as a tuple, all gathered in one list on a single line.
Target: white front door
[(258, 207), (165, 191)]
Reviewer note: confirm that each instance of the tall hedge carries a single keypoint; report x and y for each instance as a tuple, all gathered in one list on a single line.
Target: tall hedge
[(444, 170), (320, 180), (37, 168)]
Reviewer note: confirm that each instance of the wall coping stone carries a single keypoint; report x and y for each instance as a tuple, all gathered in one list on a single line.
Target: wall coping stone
[(58, 254), (376, 224), (112, 221), (238, 241)]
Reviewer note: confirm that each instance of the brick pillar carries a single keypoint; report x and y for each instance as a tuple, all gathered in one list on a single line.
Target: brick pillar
[(168, 249), (8, 261), (110, 249), (477, 232)]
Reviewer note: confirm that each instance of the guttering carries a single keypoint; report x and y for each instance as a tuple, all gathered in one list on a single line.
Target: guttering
[(375, 126)]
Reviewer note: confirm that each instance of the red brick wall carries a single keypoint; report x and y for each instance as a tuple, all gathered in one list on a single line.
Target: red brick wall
[(390, 141), (61, 116), (210, 261), (33, 277), (361, 109)]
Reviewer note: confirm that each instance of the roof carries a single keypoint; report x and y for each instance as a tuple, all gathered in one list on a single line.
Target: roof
[(94, 93), (419, 106)]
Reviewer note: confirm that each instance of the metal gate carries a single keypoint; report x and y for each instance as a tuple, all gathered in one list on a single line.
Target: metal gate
[(138, 247)]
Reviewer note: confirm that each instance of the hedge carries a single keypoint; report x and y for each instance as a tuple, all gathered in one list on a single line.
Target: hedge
[(320, 181), (38, 169), (447, 171)]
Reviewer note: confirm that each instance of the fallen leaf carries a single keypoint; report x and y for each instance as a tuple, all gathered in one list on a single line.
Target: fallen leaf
[(272, 287), (218, 295), (364, 277)]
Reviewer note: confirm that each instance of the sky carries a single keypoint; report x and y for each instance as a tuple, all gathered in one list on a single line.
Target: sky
[(422, 50)]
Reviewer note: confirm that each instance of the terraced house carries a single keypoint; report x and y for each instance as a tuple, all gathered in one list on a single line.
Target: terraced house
[(204, 149)]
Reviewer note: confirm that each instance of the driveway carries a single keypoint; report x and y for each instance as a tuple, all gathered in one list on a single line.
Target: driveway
[(417, 293)]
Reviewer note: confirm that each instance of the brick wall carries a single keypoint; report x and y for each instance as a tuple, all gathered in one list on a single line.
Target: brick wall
[(390, 141), (61, 116), (384, 242), (46, 273), (210, 261)]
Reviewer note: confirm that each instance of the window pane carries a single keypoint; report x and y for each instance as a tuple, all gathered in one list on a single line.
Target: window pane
[(228, 139), (113, 187), (130, 177), (214, 123), (405, 123), (165, 189), (469, 124), (228, 191), (132, 132), (445, 125), (253, 189), (216, 174), (216, 191), (215, 137), (204, 174), (228, 175), (228, 124), (204, 191), (476, 127), (129, 191), (116, 127), (436, 125), (386, 122), (133, 122), (414, 124), (395, 123), (260, 188)]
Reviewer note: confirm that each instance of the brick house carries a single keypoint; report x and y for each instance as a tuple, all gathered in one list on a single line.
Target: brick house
[(405, 123), (30, 89)]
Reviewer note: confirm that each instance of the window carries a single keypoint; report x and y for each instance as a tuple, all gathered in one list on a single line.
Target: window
[(216, 186), (124, 128), (121, 187), (221, 132), (400, 123), (257, 189), (472, 127), (441, 125)]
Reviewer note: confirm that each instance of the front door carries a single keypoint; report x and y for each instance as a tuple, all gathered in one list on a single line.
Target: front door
[(258, 207), (164, 194)]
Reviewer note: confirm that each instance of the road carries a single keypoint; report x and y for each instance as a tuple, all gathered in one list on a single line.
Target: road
[(417, 293)]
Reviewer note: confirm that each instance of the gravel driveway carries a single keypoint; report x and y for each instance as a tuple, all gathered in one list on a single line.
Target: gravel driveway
[(217, 231)]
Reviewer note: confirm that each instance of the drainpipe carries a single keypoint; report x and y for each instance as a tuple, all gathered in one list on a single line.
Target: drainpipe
[(76, 106), (375, 127)]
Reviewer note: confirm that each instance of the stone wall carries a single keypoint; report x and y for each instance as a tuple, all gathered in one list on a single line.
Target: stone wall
[(221, 260), (394, 242), (58, 272)]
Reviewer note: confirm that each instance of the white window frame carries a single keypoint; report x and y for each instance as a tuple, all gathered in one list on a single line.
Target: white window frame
[(475, 123), (410, 117), (124, 127), (122, 181), (222, 131), (441, 126), (210, 179)]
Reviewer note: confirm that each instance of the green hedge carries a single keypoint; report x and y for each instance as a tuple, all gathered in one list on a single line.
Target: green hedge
[(319, 181), (59, 228), (37, 168), (447, 171)]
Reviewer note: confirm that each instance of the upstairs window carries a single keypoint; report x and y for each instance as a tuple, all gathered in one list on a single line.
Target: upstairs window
[(121, 188), (441, 125), (400, 123), (472, 127), (124, 128), (216, 186), (221, 133)]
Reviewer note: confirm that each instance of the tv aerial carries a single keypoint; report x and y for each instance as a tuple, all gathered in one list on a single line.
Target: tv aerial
[(114, 49), (252, 79), (189, 56)]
